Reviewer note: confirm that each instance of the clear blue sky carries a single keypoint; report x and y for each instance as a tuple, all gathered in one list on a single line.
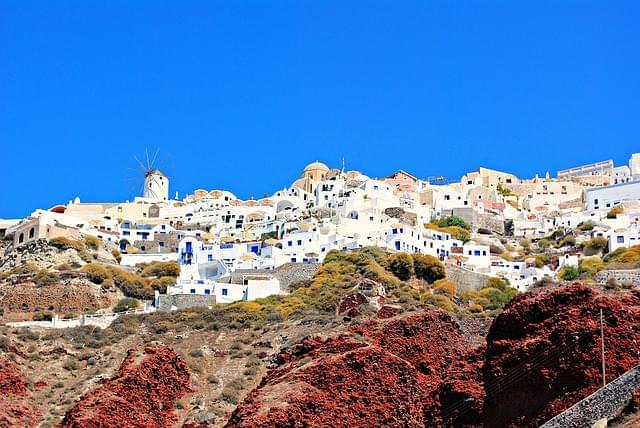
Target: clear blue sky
[(241, 95)]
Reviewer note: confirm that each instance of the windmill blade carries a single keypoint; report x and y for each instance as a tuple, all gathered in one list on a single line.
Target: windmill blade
[(153, 161), (146, 153), (140, 163)]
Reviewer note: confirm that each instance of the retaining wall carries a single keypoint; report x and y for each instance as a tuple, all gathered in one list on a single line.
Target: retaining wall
[(628, 276), (466, 280), (604, 404)]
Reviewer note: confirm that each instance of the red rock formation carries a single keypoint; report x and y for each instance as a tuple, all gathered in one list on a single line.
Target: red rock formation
[(543, 352), (398, 372), (14, 409), (141, 394)]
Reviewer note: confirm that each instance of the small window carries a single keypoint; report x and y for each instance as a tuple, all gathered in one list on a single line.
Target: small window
[(207, 292), (193, 291), (620, 239), (225, 291)]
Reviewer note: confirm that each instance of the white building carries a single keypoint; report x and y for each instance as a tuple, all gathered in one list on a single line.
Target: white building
[(606, 197)]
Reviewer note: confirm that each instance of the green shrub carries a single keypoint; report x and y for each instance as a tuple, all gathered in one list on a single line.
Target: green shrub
[(45, 277), (131, 284), (428, 268), (596, 244), (591, 265), (63, 243), (453, 220), (25, 269), (567, 241), (445, 286), (443, 302), (126, 304), (96, 273), (586, 226), (116, 255), (569, 273), (544, 243), (401, 265), (613, 213), (162, 283), (160, 269), (92, 242)]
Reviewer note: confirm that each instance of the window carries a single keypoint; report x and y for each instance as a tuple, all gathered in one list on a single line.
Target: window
[(225, 292), (447, 197), (299, 241), (290, 243), (193, 291), (207, 292), (620, 239), (394, 231), (161, 244), (476, 252), (210, 257)]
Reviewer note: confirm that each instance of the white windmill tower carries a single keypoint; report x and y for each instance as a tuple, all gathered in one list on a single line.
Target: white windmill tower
[(156, 184)]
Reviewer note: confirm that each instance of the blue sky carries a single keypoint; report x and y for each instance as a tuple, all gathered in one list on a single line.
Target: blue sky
[(242, 95)]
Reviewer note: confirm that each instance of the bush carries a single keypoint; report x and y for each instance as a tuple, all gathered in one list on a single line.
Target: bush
[(70, 365), (43, 316), (96, 273), (132, 285), (212, 379), (544, 243), (596, 244), (161, 269), (126, 304), (453, 220), (567, 241), (25, 269), (63, 243), (92, 242), (162, 283), (197, 353), (541, 260), (116, 255), (445, 286), (401, 265), (45, 277), (443, 302), (428, 268), (591, 265), (613, 213), (586, 226), (569, 273)]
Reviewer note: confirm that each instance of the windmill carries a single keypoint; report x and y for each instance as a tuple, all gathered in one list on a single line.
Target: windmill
[(155, 185)]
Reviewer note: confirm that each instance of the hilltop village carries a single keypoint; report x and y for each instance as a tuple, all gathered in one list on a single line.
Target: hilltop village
[(482, 226), (341, 300)]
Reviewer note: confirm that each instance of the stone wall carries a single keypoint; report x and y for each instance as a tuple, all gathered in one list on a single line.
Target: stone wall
[(184, 301), (466, 280), (478, 220), (287, 274), (628, 276), (604, 404)]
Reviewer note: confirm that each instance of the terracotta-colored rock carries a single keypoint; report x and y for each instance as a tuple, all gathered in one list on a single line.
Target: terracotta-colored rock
[(543, 352), (141, 394), (14, 407), (396, 372)]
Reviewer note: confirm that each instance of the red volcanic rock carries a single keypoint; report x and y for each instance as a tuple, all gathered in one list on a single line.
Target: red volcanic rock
[(543, 352), (389, 311), (14, 408), (398, 372), (141, 394), (11, 381), (350, 305)]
